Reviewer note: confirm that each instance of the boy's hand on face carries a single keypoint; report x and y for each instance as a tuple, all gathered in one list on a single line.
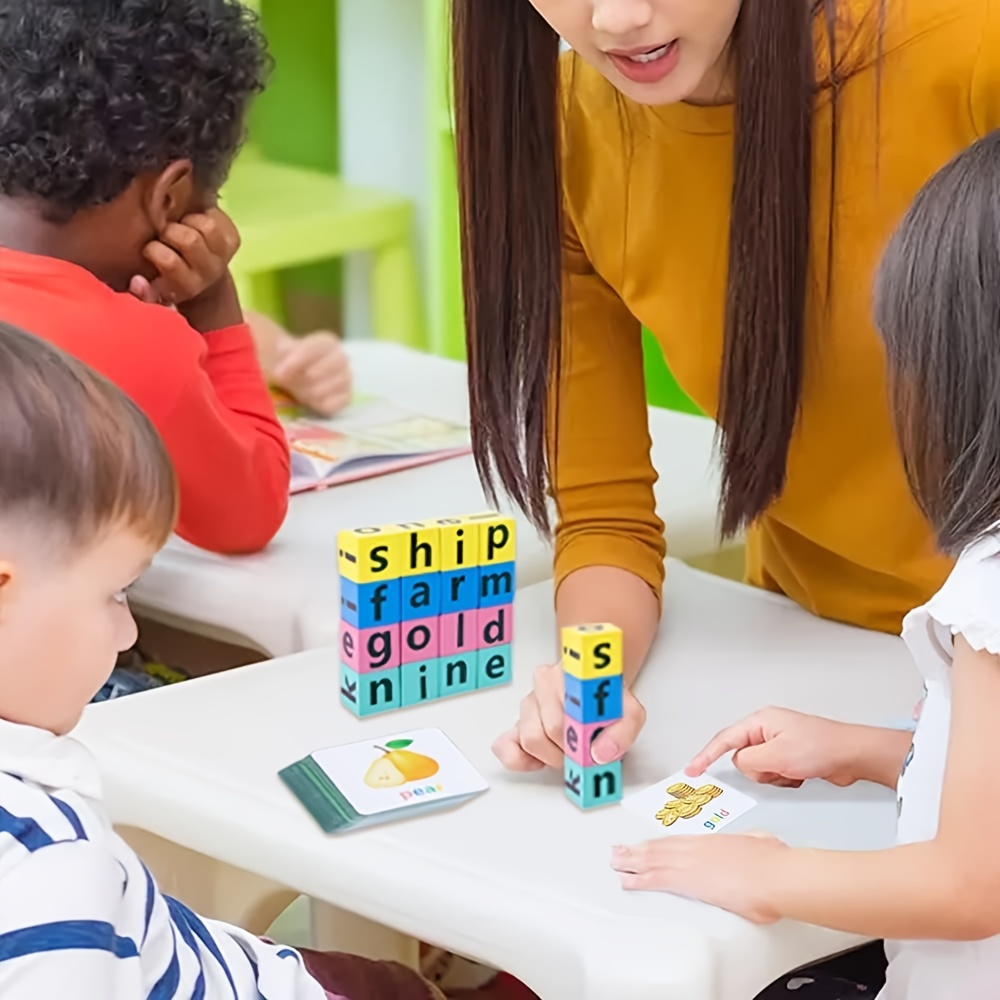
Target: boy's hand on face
[(192, 257)]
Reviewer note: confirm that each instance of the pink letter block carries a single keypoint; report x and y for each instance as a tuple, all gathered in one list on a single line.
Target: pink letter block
[(368, 650), (419, 640), (495, 626), (578, 739), (457, 633)]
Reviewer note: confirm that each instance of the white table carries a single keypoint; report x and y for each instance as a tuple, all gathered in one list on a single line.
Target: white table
[(286, 599), (519, 878)]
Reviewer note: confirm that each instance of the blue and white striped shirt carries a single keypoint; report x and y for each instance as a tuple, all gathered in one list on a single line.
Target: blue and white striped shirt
[(81, 916)]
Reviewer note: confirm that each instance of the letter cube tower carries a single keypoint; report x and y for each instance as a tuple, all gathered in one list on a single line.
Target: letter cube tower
[(426, 610), (592, 671)]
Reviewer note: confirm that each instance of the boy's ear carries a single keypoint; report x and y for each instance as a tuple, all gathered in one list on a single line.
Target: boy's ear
[(6, 579), (170, 195)]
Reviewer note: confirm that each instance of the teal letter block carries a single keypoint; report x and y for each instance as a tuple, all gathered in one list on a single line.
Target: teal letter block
[(457, 674), (370, 693), (594, 786), (495, 666), (420, 682)]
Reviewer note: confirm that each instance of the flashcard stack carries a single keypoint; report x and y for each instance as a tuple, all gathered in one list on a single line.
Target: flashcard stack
[(426, 610), (592, 671)]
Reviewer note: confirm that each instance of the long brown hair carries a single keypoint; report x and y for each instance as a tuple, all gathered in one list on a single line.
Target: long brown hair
[(937, 308), (506, 87)]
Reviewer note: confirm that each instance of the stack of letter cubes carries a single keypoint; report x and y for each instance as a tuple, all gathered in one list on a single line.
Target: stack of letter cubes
[(592, 671), (426, 610)]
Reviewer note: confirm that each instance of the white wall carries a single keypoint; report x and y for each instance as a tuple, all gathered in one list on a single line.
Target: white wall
[(383, 119)]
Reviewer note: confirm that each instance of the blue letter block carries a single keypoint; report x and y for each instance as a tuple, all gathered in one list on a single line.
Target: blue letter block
[(369, 694), (420, 596), (596, 700), (365, 605), (420, 682), (460, 590), (495, 667), (457, 674), (496, 585), (592, 786)]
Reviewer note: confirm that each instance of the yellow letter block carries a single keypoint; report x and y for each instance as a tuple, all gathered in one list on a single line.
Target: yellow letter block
[(497, 537), (420, 548), (459, 543), (592, 650), (368, 554)]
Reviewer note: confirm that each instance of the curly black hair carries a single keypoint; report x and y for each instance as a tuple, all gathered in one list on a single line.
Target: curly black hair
[(95, 92)]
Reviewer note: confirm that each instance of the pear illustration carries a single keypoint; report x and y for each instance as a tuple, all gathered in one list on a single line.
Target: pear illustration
[(384, 774), (397, 765)]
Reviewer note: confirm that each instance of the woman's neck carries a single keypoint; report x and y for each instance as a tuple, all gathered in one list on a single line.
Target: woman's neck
[(718, 86)]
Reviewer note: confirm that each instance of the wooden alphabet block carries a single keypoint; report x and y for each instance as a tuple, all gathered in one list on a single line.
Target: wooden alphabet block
[(589, 787), (365, 605), (460, 590), (595, 700), (592, 650), (369, 649), (459, 542), (458, 632), (497, 537), (421, 548), (495, 626), (420, 596), (419, 640), (578, 740), (457, 674), (496, 584), (420, 682), (369, 694), (496, 666), (365, 555)]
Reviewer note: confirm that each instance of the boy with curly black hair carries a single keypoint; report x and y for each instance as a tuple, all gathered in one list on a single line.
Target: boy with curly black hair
[(119, 120)]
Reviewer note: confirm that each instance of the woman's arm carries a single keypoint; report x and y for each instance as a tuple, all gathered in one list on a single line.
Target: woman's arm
[(609, 541), (611, 594)]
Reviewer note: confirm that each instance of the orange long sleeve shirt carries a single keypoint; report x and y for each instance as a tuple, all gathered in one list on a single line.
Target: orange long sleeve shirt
[(647, 193), (205, 394)]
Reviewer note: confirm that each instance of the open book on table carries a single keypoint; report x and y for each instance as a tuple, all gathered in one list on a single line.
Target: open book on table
[(370, 438)]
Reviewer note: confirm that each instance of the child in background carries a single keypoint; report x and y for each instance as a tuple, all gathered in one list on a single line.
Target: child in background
[(87, 496), (313, 369), (936, 896), (119, 120)]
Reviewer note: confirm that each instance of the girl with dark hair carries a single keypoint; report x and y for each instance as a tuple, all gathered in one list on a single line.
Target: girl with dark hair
[(725, 173), (937, 307)]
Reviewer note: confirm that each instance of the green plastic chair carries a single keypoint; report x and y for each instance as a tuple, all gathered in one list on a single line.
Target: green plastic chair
[(289, 216)]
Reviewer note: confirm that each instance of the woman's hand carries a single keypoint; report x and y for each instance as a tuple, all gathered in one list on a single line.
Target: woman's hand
[(732, 871), (536, 741), (314, 370), (777, 746)]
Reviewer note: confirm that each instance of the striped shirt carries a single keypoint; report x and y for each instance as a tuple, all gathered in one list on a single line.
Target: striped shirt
[(81, 916)]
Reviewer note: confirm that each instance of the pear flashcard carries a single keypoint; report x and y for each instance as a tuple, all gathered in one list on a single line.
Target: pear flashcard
[(373, 781)]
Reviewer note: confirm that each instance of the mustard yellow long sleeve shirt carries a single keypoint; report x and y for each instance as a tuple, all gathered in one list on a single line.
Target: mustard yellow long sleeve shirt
[(647, 193)]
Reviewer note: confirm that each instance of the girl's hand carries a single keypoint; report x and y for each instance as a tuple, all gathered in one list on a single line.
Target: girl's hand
[(536, 741), (315, 370), (777, 746), (733, 871)]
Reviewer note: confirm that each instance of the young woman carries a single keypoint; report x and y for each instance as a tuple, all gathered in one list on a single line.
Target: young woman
[(726, 174), (937, 307)]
